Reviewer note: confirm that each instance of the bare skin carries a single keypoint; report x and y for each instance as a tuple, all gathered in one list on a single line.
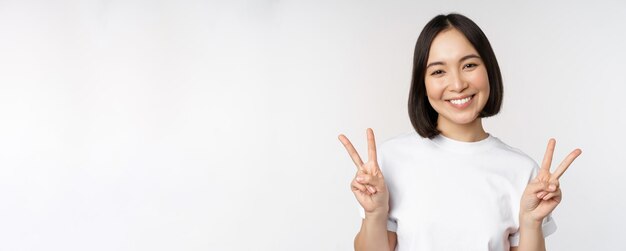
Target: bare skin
[(370, 190)]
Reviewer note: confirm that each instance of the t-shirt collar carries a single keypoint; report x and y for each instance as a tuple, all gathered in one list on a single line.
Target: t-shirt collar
[(463, 146)]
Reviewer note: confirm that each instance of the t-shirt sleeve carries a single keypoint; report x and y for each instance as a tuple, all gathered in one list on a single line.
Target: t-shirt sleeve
[(548, 227), (392, 224)]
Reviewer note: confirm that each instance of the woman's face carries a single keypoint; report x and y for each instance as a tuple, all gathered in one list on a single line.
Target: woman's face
[(456, 79)]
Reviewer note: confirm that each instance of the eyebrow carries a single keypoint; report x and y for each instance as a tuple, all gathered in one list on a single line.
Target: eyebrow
[(460, 60)]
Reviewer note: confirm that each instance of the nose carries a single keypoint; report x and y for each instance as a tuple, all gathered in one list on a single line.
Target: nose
[(457, 82)]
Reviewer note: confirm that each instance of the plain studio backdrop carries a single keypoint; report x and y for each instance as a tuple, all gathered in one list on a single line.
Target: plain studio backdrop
[(195, 125)]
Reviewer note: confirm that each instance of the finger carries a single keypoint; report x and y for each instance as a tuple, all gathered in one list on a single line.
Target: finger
[(547, 157), (367, 179), (371, 189), (536, 187), (357, 187), (371, 146), (566, 163), (553, 185), (350, 148), (553, 195), (540, 195)]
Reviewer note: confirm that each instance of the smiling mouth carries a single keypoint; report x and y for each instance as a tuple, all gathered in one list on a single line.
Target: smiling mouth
[(461, 101)]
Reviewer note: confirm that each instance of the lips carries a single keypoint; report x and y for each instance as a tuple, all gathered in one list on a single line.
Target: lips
[(461, 102)]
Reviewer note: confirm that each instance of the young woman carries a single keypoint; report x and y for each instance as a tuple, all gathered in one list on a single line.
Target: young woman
[(450, 185)]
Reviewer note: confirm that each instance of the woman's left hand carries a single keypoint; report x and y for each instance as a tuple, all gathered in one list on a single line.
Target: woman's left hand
[(543, 193)]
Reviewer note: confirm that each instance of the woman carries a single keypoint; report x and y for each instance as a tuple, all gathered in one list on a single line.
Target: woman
[(450, 185)]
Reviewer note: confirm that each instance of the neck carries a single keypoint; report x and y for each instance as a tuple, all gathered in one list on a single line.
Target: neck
[(470, 132)]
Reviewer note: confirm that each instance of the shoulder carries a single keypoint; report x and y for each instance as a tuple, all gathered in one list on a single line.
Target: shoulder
[(402, 141), (402, 149), (515, 156)]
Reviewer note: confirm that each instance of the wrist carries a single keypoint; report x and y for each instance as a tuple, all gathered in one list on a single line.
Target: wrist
[(527, 221), (377, 216)]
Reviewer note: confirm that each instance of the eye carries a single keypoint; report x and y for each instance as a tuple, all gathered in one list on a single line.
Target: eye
[(437, 72), (469, 66)]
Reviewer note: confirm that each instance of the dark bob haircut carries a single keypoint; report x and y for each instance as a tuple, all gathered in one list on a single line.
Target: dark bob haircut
[(422, 115)]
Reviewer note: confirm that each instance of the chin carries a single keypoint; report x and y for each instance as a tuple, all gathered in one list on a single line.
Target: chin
[(464, 120)]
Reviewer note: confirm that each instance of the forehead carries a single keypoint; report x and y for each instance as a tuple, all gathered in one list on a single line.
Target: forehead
[(450, 45)]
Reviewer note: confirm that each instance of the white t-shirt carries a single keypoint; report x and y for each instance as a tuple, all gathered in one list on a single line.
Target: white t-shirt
[(453, 195)]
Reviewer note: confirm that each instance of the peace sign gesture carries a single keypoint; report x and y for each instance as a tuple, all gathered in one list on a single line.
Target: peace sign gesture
[(368, 185), (543, 193)]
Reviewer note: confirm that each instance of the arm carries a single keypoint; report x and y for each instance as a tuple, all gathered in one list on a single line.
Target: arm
[(370, 190), (393, 239), (374, 235), (531, 236), (540, 198)]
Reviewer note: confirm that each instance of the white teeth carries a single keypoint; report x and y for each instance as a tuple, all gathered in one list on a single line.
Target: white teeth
[(460, 101)]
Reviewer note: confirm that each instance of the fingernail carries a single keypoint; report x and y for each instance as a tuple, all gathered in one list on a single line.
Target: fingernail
[(371, 189), (539, 195), (552, 187), (359, 178)]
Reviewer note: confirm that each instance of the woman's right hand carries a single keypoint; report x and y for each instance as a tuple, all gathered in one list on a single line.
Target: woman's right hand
[(368, 184)]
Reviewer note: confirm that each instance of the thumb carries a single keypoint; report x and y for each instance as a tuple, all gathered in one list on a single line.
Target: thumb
[(536, 186), (376, 181)]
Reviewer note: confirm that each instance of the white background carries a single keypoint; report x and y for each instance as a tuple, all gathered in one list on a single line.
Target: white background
[(194, 125)]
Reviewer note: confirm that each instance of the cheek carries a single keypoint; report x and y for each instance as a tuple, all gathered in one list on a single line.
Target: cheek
[(433, 89), (481, 80)]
